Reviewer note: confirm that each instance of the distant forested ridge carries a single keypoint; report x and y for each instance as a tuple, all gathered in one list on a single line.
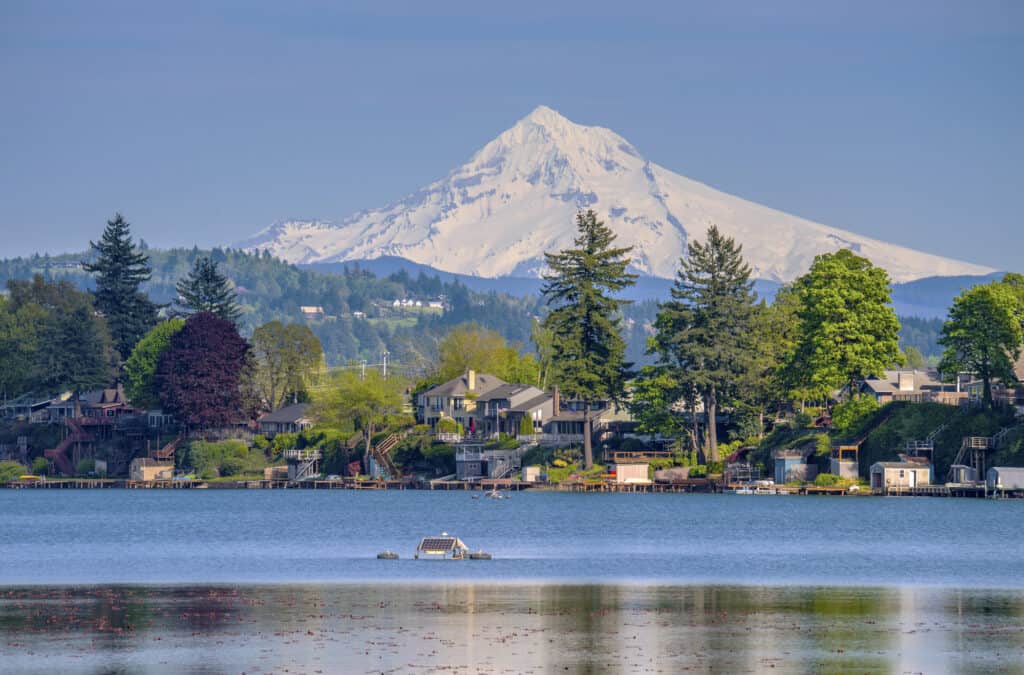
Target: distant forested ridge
[(270, 289), (359, 319)]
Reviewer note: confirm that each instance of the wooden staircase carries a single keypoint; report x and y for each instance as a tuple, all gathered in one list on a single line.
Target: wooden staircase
[(382, 454), (59, 454), (166, 453)]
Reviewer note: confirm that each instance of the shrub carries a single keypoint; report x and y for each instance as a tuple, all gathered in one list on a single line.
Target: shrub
[(10, 471), (698, 471), (828, 480), (40, 466), (823, 445), (560, 463), (849, 414), (446, 425), (715, 467), (232, 466), (85, 467), (525, 426), (802, 420)]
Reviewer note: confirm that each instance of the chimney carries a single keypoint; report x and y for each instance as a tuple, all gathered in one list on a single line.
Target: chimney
[(905, 380), (471, 380), (556, 401)]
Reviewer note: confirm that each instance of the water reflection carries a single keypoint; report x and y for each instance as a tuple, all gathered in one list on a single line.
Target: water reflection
[(521, 628)]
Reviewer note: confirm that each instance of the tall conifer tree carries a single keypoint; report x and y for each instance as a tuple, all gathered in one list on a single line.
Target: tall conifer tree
[(588, 352), (121, 268), (205, 289), (704, 332)]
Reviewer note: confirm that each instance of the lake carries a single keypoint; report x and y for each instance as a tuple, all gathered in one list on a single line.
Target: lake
[(261, 581), (304, 536)]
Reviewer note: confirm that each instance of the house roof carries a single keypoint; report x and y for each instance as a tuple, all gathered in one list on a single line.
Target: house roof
[(900, 465), (459, 386), (504, 391), (889, 382), (289, 414), (98, 397), (792, 454), (535, 402)]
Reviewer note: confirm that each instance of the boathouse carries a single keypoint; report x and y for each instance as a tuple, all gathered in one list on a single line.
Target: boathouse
[(791, 467), (890, 475), (632, 472), (147, 469), (1005, 478)]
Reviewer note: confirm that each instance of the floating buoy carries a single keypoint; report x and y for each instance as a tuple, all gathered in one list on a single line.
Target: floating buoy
[(480, 555), (387, 555)]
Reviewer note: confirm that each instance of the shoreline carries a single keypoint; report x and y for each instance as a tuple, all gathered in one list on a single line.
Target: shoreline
[(695, 486)]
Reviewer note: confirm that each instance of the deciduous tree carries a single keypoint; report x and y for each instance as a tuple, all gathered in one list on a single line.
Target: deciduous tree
[(982, 336), (368, 401), (588, 352), (287, 359), (848, 328), (140, 368), (198, 375)]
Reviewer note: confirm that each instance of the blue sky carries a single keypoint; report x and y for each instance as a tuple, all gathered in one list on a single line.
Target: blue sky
[(206, 121)]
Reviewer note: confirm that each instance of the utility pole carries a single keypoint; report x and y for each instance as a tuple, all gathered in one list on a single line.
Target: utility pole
[(362, 369), (385, 356)]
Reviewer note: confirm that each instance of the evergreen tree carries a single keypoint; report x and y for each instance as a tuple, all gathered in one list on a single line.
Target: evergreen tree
[(705, 331), (75, 352), (205, 289), (121, 269), (588, 352)]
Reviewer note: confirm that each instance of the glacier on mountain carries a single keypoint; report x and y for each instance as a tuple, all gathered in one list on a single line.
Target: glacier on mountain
[(517, 197)]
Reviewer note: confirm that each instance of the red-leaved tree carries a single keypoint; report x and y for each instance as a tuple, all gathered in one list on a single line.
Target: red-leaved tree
[(198, 374)]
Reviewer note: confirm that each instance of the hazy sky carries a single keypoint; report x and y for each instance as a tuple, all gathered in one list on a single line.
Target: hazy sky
[(206, 121)]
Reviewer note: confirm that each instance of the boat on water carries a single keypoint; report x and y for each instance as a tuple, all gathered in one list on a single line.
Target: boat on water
[(447, 547)]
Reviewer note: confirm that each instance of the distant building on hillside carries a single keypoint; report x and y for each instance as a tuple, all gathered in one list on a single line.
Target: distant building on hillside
[(312, 312), (290, 419), (916, 386)]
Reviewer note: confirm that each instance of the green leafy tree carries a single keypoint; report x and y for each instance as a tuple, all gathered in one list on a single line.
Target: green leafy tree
[(706, 329), (848, 329), (205, 289), (10, 471), (585, 318), (140, 368), (287, 359), (120, 270), (367, 402), (472, 347), (19, 344), (982, 336), (913, 357), (763, 387)]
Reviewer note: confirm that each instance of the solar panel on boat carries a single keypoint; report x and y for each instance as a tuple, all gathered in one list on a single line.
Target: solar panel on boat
[(437, 544)]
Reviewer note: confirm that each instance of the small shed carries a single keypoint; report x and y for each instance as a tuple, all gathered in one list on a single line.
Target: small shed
[(963, 474), (531, 474), (888, 475), (146, 469), (1005, 478), (791, 466), (633, 472)]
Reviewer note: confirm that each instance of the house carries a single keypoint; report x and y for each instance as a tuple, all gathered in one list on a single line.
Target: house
[(312, 312), (473, 461), (146, 469), (1005, 478), (456, 399), (791, 466), (105, 403), (502, 409), (27, 407), (886, 476), (288, 420), (916, 386)]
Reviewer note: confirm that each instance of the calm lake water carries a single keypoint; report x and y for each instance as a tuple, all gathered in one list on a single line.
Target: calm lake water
[(302, 536), (274, 581)]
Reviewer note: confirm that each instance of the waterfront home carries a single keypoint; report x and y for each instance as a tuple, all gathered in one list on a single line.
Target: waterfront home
[(456, 399), (502, 409), (915, 386), (30, 407), (147, 469), (791, 466), (889, 475), (290, 419), (473, 461), (1005, 478)]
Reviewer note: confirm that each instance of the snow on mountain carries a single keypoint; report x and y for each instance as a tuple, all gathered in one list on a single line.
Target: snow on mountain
[(517, 198)]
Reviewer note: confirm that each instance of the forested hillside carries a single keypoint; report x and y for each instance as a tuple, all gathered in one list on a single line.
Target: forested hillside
[(360, 320)]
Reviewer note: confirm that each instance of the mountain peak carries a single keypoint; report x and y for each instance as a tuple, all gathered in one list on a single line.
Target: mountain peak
[(517, 198)]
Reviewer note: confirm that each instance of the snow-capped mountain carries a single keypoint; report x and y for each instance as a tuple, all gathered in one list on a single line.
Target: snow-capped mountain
[(517, 198)]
